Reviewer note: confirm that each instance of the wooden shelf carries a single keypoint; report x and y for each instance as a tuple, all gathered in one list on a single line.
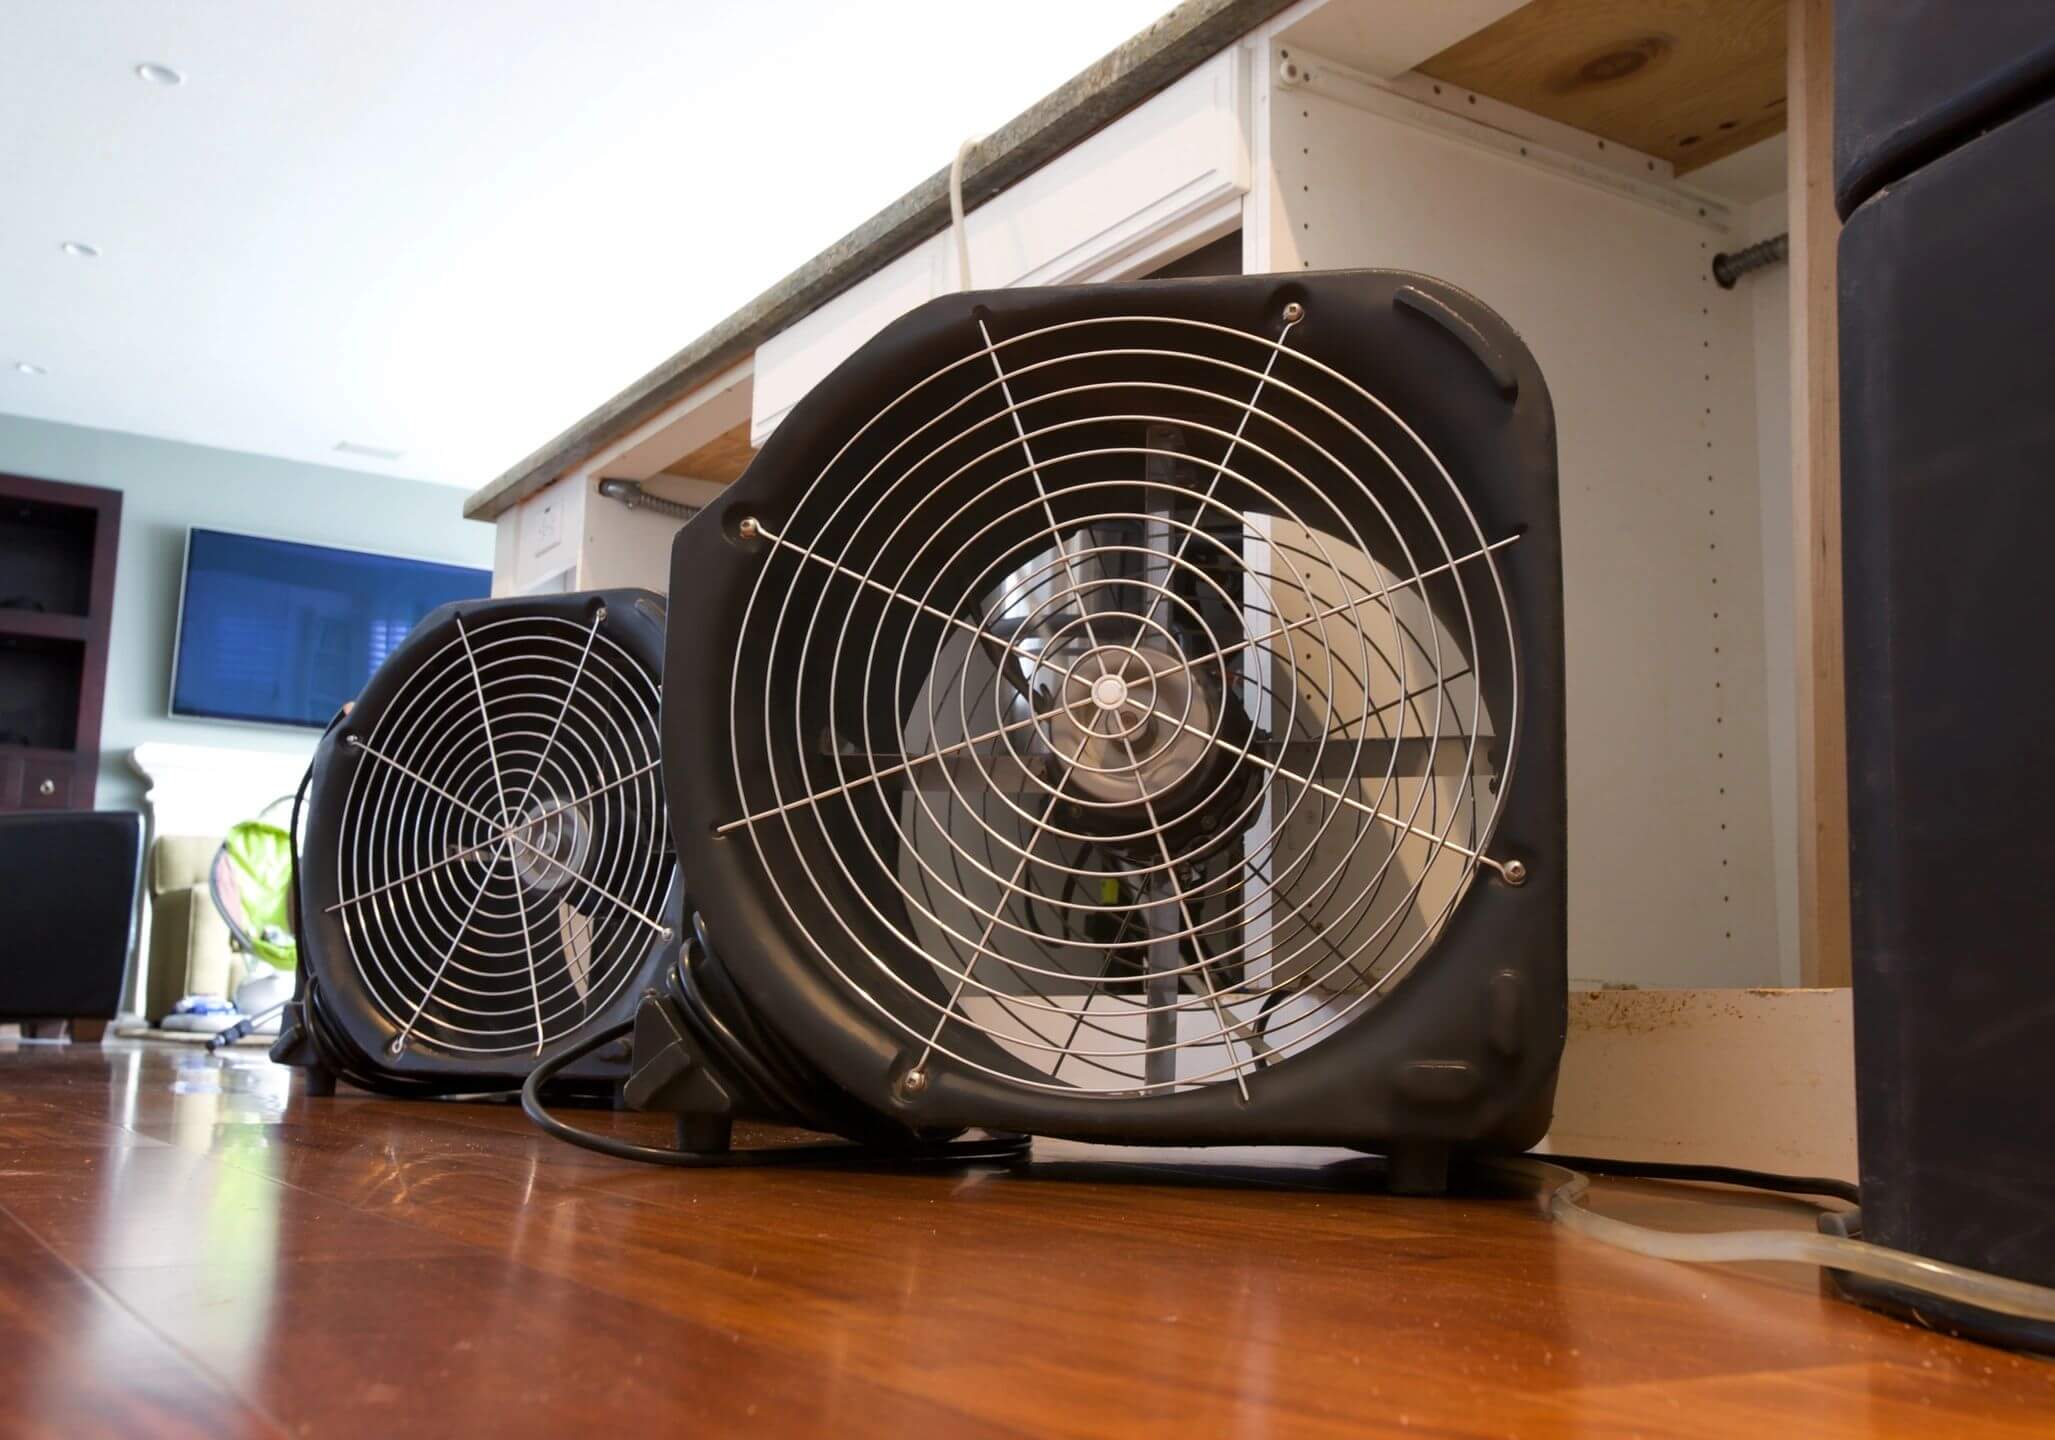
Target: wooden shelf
[(38, 625), (1688, 81), (58, 546), (722, 459), (35, 752)]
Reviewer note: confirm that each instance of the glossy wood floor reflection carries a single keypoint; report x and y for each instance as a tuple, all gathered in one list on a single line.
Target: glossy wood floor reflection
[(191, 1246)]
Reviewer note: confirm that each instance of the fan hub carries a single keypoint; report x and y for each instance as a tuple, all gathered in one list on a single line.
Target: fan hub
[(1131, 723), (551, 843)]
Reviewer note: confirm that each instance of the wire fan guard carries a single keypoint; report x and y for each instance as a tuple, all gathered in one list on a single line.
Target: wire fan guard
[(502, 863), (1126, 705)]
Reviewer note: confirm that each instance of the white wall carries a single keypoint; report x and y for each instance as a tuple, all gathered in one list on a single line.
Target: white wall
[(1768, 295), (166, 487)]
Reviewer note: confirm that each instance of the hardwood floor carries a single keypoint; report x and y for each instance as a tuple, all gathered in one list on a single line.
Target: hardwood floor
[(190, 1246)]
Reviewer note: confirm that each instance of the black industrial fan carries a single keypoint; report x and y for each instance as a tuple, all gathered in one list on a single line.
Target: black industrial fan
[(1131, 712), (488, 876)]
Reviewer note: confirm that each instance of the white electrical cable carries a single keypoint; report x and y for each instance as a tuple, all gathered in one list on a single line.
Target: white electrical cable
[(956, 225), (1562, 1189)]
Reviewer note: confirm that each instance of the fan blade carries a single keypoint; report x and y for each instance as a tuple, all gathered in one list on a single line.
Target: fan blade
[(575, 930)]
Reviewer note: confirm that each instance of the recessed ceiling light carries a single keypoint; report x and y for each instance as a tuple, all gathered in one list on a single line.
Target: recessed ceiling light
[(28, 367), (81, 249), (157, 74)]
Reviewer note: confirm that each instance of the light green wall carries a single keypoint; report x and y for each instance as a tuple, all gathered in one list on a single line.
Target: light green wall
[(167, 486)]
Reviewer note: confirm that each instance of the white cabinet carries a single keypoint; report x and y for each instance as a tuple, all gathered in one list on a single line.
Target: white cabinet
[(568, 537)]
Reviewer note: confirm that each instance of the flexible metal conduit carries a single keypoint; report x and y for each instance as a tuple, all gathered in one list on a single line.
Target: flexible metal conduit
[(1728, 267), (631, 494)]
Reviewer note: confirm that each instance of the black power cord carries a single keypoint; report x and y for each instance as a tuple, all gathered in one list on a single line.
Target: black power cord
[(948, 1152), (222, 1039)]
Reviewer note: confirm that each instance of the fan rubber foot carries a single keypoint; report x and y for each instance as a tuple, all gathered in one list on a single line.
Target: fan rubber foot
[(320, 1081), (705, 1134), (1419, 1170), (669, 1075)]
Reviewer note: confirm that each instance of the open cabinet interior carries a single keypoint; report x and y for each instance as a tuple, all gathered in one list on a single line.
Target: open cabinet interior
[(1670, 399), (1577, 167)]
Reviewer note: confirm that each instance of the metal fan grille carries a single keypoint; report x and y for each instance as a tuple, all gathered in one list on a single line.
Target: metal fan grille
[(1177, 743), (503, 857)]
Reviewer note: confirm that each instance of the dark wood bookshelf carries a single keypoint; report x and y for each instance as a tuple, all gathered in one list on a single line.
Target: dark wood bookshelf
[(58, 546), (46, 627)]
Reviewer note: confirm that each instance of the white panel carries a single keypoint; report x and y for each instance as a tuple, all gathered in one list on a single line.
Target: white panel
[(1650, 366), (1165, 177), (1097, 211), (569, 537), (506, 543), (545, 534), (624, 546), (1767, 293), (1762, 1079), (794, 360)]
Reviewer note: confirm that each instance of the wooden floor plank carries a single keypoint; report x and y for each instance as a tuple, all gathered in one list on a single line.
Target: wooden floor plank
[(356, 1265), (75, 1363)]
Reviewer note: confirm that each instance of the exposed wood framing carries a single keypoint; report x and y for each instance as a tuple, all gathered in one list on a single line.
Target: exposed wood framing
[(1823, 920)]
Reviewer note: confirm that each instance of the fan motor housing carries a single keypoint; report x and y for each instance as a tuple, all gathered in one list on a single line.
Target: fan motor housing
[(1461, 1051), (397, 987)]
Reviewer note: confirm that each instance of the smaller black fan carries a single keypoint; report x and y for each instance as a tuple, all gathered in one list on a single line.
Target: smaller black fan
[(487, 872)]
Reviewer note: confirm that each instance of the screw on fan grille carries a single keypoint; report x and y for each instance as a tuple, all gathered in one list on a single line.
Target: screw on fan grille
[(503, 854), (1142, 690)]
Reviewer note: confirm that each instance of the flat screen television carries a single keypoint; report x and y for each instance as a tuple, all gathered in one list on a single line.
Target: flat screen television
[(275, 632)]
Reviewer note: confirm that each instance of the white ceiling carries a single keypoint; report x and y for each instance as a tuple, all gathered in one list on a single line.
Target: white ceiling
[(451, 227)]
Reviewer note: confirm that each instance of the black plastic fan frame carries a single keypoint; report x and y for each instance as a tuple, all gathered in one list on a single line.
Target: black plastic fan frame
[(1464, 1053), (336, 1025)]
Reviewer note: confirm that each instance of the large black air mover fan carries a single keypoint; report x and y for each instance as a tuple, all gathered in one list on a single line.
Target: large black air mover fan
[(1134, 713), (487, 875)]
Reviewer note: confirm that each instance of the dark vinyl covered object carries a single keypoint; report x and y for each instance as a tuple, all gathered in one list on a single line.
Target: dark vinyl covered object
[(67, 912), (1948, 493), (1915, 78)]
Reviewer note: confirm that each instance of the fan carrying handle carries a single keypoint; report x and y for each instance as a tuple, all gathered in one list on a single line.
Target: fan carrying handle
[(1428, 307)]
